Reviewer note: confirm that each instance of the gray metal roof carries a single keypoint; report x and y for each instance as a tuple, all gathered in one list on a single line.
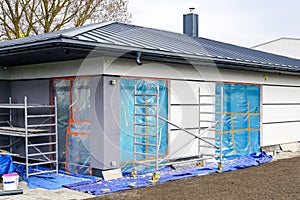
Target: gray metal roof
[(66, 33), (116, 35)]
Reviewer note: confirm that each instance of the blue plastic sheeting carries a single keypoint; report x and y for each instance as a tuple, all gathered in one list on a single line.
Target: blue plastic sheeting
[(62, 92), (241, 122), (94, 187), (127, 119), (73, 128), (6, 164), (50, 181), (78, 152)]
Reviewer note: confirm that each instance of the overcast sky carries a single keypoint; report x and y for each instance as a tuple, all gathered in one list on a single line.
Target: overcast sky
[(242, 22)]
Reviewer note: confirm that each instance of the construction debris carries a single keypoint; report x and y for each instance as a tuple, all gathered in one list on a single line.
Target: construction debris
[(151, 182), (105, 190), (112, 174), (132, 185), (290, 147), (181, 166)]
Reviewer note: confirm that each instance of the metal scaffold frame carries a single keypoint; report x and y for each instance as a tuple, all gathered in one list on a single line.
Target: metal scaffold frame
[(213, 122), (158, 162), (33, 154), (146, 134)]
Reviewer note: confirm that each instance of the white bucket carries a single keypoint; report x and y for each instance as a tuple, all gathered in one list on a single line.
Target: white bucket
[(10, 181)]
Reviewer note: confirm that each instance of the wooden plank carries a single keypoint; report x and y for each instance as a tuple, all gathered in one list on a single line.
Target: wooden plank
[(22, 130)]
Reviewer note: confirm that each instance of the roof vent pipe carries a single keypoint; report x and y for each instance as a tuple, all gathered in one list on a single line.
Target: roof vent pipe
[(190, 23)]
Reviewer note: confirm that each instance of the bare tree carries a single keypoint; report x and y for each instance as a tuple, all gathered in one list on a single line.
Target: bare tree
[(21, 18)]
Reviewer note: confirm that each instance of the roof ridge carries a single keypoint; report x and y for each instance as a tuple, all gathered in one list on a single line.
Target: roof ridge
[(73, 32), (156, 29), (69, 33)]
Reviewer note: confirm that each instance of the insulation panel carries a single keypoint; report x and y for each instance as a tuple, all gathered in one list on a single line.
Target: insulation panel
[(281, 95), (280, 133), (281, 113)]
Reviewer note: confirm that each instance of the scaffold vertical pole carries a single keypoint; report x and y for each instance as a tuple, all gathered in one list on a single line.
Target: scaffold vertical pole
[(26, 135), (134, 131), (157, 126), (199, 118), (221, 127)]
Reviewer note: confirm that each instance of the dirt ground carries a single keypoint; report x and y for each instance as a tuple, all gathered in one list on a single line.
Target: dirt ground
[(275, 180)]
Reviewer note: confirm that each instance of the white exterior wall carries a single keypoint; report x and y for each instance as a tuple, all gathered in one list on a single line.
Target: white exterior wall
[(281, 115), (183, 91), (126, 67), (184, 112), (289, 47), (91, 66)]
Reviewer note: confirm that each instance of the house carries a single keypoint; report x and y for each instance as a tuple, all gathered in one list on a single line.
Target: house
[(282, 46), (98, 73)]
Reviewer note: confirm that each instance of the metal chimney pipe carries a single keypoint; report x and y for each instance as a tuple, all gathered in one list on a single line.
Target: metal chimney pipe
[(190, 23)]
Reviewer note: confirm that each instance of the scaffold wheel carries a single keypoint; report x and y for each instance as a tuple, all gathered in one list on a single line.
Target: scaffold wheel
[(220, 166), (133, 173), (156, 176), (201, 164)]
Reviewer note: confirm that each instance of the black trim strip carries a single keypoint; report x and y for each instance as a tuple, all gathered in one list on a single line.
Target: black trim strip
[(184, 104), (196, 128), (281, 104), (277, 85), (176, 129), (282, 122)]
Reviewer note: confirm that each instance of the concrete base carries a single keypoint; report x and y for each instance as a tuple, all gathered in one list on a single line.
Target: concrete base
[(38, 194)]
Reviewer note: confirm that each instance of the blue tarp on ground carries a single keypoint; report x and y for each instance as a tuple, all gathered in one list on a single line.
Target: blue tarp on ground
[(6, 164), (53, 181), (168, 174), (50, 181)]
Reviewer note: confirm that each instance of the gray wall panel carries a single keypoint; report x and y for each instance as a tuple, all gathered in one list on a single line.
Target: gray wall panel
[(37, 91), (97, 123), (111, 121), (5, 93), (105, 139)]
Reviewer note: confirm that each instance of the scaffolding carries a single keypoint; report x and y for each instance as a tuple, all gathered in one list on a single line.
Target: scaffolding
[(39, 135), (212, 102), (141, 136)]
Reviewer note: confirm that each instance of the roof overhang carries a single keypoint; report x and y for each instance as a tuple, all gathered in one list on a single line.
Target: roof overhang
[(64, 49)]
